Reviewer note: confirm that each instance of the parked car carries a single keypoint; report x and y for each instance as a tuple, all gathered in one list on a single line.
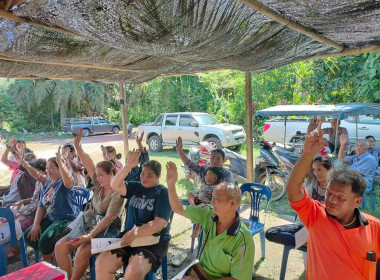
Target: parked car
[(274, 129), (165, 130), (89, 126)]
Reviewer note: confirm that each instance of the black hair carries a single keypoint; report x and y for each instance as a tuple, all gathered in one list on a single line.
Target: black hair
[(39, 164), (370, 136), (220, 151), (325, 161), (111, 149), (346, 176), (217, 171), (53, 160), (68, 145), (155, 166)]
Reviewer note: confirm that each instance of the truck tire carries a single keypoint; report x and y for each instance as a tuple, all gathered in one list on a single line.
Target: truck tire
[(155, 144), (85, 132), (215, 142), (276, 184), (115, 130)]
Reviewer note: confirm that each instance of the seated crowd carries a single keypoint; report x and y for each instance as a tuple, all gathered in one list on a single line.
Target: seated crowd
[(130, 203)]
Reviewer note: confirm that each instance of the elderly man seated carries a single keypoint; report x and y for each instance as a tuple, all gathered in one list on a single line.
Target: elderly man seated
[(343, 242), (362, 161), (228, 251)]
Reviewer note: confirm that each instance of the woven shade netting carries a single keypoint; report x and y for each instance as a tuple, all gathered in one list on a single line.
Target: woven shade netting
[(136, 41)]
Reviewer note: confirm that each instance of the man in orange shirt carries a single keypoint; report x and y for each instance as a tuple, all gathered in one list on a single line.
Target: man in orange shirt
[(343, 242)]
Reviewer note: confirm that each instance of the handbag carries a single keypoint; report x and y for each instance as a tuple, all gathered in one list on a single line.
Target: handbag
[(5, 231), (87, 222)]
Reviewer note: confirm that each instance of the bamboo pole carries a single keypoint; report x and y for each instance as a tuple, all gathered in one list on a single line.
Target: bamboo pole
[(248, 126), (258, 6), (367, 49), (124, 119), (96, 67)]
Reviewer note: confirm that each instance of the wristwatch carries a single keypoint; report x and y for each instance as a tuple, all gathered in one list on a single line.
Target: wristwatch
[(136, 231)]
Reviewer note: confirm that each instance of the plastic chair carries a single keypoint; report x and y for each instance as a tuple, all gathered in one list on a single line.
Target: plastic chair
[(82, 196), (369, 191), (284, 235), (256, 192), (8, 215)]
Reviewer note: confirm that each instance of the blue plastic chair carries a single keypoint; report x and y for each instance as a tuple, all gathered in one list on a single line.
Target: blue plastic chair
[(256, 192), (369, 191), (8, 215), (82, 196)]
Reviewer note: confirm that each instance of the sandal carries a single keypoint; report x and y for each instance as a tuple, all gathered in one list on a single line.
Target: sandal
[(178, 259)]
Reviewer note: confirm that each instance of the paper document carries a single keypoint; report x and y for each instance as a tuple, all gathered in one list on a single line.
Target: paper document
[(182, 273), (301, 237), (75, 223), (99, 245)]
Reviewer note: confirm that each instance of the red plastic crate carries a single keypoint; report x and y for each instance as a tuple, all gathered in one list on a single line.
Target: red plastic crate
[(38, 271)]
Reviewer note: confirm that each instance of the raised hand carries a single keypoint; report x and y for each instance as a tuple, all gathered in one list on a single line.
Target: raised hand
[(78, 138), (59, 155), (132, 158), (20, 156), (314, 142), (343, 139), (139, 140), (178, 144), (171, 174), (11, 144)]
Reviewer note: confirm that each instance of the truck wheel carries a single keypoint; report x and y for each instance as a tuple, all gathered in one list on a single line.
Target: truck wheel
[(155, 144), (276, 184), (215, 142), (85, 132), (115, 130)]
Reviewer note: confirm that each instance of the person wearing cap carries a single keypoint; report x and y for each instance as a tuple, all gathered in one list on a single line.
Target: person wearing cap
[(343, 242), (330, 131)]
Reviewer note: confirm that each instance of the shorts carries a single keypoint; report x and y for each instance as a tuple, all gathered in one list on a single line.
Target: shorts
[(154, 253)]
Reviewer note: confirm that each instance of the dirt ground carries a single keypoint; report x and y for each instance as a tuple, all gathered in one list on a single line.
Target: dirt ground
[(268, 268)]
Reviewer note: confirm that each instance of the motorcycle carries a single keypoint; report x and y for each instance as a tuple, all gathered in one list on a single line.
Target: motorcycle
[(129, 127), (273, 166)]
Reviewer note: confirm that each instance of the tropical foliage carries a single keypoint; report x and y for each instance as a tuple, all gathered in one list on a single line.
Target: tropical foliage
[(40, 104)]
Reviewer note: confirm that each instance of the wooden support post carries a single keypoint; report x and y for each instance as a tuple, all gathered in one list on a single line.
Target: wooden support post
[(248, 126), (124, 119)]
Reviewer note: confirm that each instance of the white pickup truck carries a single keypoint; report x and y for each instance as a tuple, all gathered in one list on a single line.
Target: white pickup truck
[(165, 130), (297, 127)]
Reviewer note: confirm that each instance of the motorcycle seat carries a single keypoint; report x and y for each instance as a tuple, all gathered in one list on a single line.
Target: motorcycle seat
[(289, 155)]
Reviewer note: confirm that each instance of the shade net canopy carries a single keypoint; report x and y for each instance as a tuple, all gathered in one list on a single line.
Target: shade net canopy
[(136, 41)]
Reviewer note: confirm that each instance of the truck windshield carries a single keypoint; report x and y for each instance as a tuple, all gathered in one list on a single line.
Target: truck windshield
[(206, 119)]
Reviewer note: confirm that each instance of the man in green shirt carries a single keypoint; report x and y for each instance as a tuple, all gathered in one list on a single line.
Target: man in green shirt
[(229, 250)]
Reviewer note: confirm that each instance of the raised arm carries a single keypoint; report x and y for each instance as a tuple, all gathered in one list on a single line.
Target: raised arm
[(37, 175), (343, 145), (180, 152), (9, 147), (117, 182), (85, 158), (67, 177), (104, 152), (139, 142), (171, 180), (313, 144)]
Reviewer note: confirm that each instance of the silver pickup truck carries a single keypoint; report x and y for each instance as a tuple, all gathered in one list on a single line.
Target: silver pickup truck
[(89, 126), (165, 130)]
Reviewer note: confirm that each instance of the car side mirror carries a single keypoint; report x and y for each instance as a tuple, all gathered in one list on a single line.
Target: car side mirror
[(194, 124)]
